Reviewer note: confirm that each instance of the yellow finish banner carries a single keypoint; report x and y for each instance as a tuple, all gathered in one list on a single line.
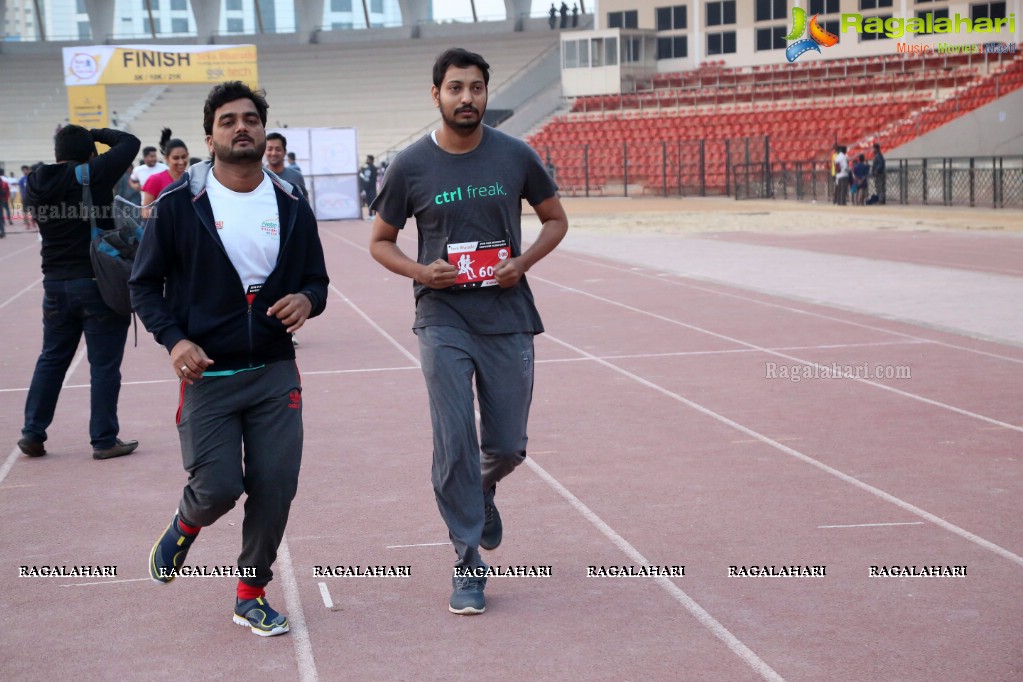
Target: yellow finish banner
[(159, 64)]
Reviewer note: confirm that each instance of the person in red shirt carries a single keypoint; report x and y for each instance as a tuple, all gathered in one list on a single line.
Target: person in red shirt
[(175, 153), (5, 206)]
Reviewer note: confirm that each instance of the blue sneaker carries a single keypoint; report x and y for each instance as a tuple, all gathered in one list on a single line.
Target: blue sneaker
[(169, 553), (493, 530), (467, 595), (260, 617)]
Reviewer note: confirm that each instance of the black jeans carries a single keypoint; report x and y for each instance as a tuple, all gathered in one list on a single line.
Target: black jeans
[(71, 307)]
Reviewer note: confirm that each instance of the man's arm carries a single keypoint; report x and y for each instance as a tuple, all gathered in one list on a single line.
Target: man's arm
[(555, 226), (111, 164), (383, 246), (294, 309)]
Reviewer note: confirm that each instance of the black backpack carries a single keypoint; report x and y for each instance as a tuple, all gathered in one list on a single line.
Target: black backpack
[(112, 252)]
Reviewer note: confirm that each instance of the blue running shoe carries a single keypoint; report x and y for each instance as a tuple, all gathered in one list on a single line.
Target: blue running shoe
[(493, 529), (260, 617), (467, 595), (169, 553)]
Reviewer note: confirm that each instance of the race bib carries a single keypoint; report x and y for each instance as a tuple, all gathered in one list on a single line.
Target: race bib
[(476, 262)]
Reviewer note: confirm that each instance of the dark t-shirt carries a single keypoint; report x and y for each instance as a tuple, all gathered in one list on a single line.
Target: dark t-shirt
[(476, 196)]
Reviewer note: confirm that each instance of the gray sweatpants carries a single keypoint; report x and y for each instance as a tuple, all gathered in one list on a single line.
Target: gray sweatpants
[(463, 475), (243, 434)]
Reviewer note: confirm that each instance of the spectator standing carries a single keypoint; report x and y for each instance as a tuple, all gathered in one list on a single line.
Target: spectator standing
[(276, 151), (72, 305), (564, 15), (176, 154), (841, 177), (368, 180), (150, 166), (553, 14), (877, 170)]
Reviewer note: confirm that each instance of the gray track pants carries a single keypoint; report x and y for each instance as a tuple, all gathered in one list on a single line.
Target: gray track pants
[(462, 474), (243, 434)]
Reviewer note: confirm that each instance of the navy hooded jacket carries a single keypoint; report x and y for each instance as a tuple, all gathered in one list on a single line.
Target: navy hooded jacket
[(184, 286)]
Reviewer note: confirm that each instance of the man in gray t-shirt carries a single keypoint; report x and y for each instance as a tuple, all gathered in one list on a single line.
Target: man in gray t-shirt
[(475, 315)]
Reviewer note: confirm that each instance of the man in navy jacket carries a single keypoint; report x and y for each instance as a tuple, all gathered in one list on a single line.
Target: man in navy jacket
[(229, 266)]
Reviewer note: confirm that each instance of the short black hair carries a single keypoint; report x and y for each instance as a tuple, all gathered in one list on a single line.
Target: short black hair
[(229, 92), (463, 59), (146, 151), (73, 143), (278, 136)]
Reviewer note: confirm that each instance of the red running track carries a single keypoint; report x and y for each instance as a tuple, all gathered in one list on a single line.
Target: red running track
[(657, 438)]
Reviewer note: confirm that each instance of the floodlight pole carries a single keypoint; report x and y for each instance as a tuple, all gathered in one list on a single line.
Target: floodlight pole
[(365, 11), (475, 19), (259, 16), (152, 24), (40, 24)]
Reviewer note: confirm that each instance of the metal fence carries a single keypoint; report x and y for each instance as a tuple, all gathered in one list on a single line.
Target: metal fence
[(743, 168), (995, 182)]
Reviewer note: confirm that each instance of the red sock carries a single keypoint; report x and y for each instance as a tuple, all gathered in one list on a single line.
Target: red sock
[(246, 592), (187, 529)]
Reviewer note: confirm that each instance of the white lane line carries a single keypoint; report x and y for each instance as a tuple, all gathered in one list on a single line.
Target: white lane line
[(875, 525), (15, 296), (296, 617), (809, 363), (697, 611), (421, 544), (108, 582), (705, 619), (902, 504), (13, 457), (375, 326), (789, 308), (325, 594), (33, 245)]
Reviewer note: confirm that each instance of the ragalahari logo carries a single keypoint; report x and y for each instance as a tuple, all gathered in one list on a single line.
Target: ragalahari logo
[(818, 36)]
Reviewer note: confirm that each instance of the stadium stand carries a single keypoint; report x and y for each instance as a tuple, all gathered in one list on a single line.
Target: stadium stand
[(802, 109), (381, 88)]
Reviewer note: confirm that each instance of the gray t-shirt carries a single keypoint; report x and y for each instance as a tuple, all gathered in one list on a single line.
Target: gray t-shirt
[(295, 178), (476, 196)]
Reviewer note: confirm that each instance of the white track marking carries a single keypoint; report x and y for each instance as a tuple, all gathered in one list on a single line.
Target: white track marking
[(296, 617)]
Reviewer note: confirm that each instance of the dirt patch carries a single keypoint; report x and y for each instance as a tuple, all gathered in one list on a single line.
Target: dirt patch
[(698, 215)]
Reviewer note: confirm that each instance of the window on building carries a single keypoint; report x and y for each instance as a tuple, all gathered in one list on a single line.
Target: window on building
[(876, 36), (80, 7), (627, 19), (235, 25), (376, 6), (721, 12), (632, 49), (179, 25), (147, 4), (233, 5), (721, 43), (988, 10), (179, 5), (771, 9), (771, 38), (875, 4), (84, 30), (570, 54), (673, 47), (671, 18), (341, 25), (823, 7), (610, 51), (936, 13)]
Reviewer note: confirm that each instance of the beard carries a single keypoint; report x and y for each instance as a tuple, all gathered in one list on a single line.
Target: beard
[(462, 124), (231, 155)]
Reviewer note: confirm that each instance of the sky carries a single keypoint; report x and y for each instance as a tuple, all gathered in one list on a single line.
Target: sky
[(485, 9)]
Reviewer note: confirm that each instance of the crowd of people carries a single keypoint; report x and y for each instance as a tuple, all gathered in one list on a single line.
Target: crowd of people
[(852, 177)]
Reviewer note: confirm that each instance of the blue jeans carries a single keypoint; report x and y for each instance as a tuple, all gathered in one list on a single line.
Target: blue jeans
[(71, 307)]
